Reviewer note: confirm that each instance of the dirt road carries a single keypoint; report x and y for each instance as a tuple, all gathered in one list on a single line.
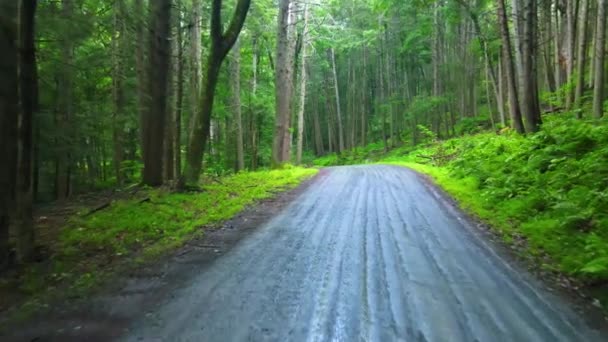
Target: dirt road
[(367, 253)]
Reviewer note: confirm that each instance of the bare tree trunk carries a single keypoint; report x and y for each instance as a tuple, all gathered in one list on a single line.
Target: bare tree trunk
[(235, 71), (117, 90), (581, 55), (28, 95), (514, 110), (195, 59), (529, 91), (317, 126), (221, 43), (332, 57), (571, 9), (153, 125), (283, 84), (600, 42), (179, 96), (140, 60), (64, 115), (254, 116), (302, 87), (8, 119)]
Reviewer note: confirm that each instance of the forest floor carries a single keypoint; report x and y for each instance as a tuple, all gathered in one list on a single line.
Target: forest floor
[(86, 241)]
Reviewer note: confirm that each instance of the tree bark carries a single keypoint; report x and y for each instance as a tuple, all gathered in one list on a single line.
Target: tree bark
[(65, 107), (302, 87), (235, 73), (28, 96), (332, 57), (529, 91), (179, 97), (283, 85), (600, 42), (117, 90), (514, 110), (153, 125), (581, 55), (8, 119), (221, 43)]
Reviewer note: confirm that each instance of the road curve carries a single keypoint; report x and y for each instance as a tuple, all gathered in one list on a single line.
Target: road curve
[(367, 253)]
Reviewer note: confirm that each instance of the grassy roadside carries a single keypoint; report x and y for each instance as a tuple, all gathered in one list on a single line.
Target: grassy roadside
[(546, 192), (91, 248)]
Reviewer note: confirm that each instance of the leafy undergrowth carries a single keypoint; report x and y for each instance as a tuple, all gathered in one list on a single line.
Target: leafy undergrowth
[(139, 229), (548, 190)]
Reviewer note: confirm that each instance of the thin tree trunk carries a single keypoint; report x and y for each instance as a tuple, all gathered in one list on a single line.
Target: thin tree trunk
[(581, 55), (235, 71), (332, 57), (600, 42), (28, 95), (117, 90), (302, 87), (179, 96), (514, 110)]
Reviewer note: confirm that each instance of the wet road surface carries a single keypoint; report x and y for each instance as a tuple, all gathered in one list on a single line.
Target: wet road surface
[(367, 253)]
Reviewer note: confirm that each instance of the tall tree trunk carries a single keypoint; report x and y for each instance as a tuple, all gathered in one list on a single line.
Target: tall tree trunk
[(179, 96), (514, 110), (65, 107), (332, 57), (196, 58), (117, 89), (254, 114), (8, 119), (529, 91), (302, 87), (283, 84), (600, 42), (571, 9), (28, 96), (235, 71), (140, 60), (221, 43), (153, 125), (581, 55)]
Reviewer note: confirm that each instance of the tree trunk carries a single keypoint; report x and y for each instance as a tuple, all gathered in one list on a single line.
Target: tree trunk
[(179, 97), (283, 85), (117, 90), (581, 55), (64, 115), (514, 110), (302, 87), (153, 125), (28, 95), (8, 120), (332, 57), (221, 43), (600, 42), (529, 91), (235, 73), (571, 9)]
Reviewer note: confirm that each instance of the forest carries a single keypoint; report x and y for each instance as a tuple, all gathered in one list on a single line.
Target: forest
[(501, 101)]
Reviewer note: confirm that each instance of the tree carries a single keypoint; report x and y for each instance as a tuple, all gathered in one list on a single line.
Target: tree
[(235, 76), (28, 99), (153, 122), (221, 43), (8, 118), (600, 42), (283, 84), (509, 68), (300, 142)]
